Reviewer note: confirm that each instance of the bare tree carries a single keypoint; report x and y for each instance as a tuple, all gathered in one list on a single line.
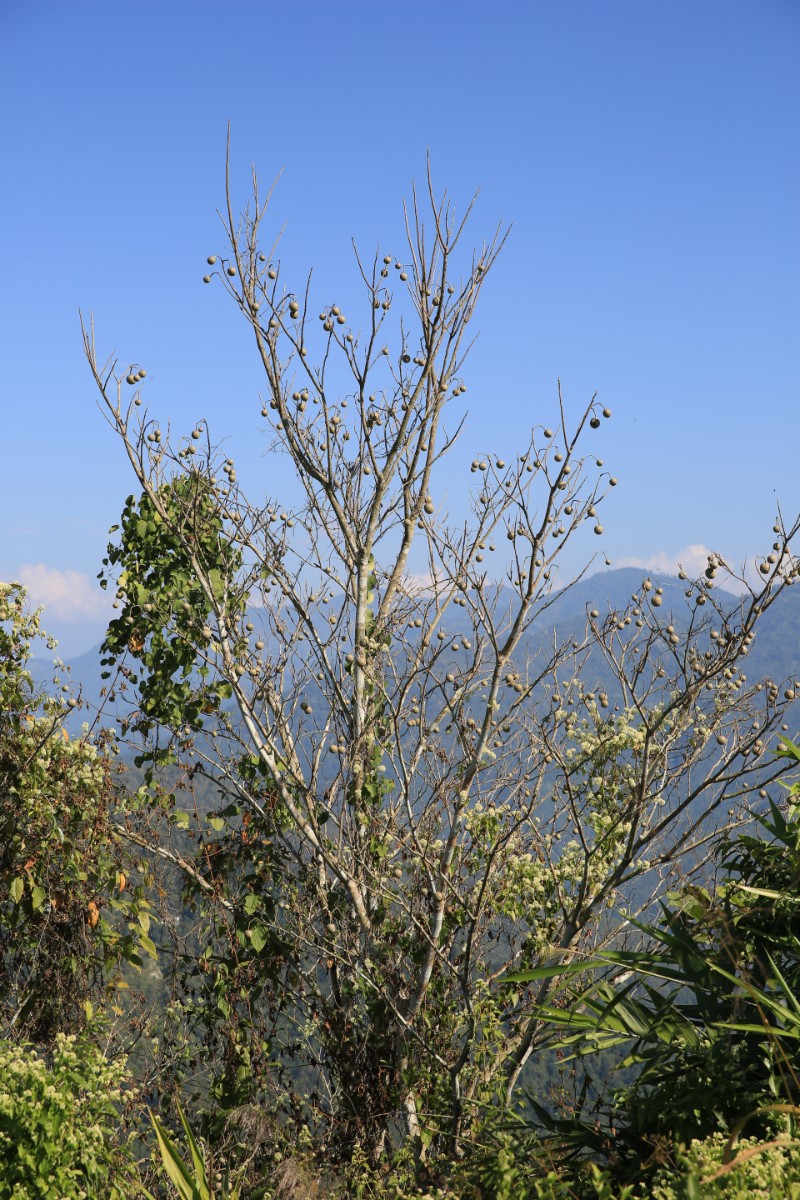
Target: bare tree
[(422, 790)]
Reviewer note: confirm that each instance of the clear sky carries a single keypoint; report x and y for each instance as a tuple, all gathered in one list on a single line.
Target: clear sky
[(645, 151)]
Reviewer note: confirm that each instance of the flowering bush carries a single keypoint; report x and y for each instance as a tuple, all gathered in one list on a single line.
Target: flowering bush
[(754, 1172), (58, 1125)]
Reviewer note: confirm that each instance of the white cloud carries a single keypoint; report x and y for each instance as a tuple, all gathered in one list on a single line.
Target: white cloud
[(419, 583), (691, 559), (67, 595)]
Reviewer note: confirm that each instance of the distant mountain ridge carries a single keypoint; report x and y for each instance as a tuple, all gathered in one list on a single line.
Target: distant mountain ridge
[(775, 652)]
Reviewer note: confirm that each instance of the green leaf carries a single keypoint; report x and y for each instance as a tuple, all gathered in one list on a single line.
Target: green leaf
[(176, 1170), (217, 583), (16, 890), (148, 945), (790, 750), (258, 938), (38, 897), (197, 1159), (216, 823), (768, 893), (549, 972)]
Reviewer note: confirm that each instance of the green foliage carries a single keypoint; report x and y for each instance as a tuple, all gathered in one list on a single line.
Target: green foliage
[(726, 1029), (710, 1169), (198, 1182), (167, 540), (708, 1015), (73, 902), (59, 1125)]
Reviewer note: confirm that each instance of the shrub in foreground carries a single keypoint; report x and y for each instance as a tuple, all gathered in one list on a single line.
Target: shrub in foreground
[(59, 1125)]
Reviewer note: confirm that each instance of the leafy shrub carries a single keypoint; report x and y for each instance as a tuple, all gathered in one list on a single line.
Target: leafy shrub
[(58, 1125), (73, 905), (757, 1171)]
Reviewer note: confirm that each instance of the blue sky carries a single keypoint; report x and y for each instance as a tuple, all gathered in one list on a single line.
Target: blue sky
[(646, 153)]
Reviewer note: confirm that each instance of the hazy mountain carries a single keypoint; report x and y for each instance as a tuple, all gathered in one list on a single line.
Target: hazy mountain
[(775, 652)]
